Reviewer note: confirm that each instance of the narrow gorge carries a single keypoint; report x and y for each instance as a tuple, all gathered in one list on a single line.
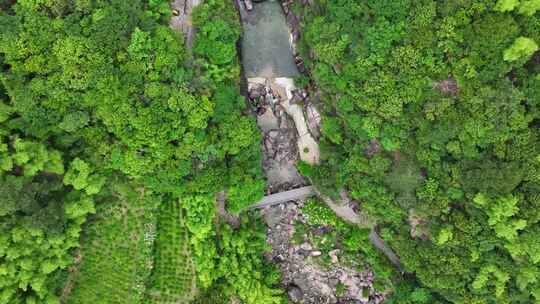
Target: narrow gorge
[(290, 124)]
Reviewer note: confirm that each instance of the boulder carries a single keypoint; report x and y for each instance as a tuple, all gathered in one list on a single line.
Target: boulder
[(316, 253), (295, 294), (313, 120), (306, 246), (248, 4), (257, 91), (333, 256)]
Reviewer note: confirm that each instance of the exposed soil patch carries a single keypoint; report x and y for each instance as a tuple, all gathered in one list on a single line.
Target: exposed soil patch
[(448, 86), (70, 282), (181, 19), (231, 219)]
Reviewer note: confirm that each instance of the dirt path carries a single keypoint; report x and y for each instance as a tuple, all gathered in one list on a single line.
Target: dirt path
[(182, 22), (379, 243), (70, 281), (221, 198)]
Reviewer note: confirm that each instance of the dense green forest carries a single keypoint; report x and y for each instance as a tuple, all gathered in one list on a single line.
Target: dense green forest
[(105, 112), (432, 123), (116, 139)]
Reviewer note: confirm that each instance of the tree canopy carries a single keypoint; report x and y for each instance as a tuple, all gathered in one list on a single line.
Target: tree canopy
[(448, 91)]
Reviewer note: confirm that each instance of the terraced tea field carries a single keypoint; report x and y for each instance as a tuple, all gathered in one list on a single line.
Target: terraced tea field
[(173, 279), (116, 250)]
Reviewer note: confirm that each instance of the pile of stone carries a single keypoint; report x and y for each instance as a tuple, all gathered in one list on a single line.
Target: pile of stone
[(261, 97), (305, 281), (280, 151)]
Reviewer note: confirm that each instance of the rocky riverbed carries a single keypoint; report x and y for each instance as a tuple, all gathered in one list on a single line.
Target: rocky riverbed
[(305, 280), (287, 133), (290, 123), (288, 120)]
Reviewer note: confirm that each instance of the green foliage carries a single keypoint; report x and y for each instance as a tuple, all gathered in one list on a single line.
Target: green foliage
[(212, 296), (115, 83), (31, 157), (403, 179), (200, 215), (244, 193), (445, 92), (408, 293), (237, 138), (232, 261), (318, 214), (41, 224), (80, 177), (73, 122), (506, 5), (444, 236), (215, 41), (356, 248), (100, 97), (331, 129), (173, 276), (243, 267), (228, 263), (529, 7), (500, 213), (521, 48), (525, 7), (116, 251)]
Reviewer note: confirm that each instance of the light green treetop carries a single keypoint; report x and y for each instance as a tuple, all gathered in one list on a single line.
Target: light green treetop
[(521, 48)]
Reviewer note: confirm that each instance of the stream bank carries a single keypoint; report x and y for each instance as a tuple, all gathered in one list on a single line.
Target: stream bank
[(268, 63), (290, 124)]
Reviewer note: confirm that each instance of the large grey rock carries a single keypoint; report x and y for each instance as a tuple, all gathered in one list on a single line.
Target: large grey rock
[(295, 294), (248, 4), (313, 119)]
